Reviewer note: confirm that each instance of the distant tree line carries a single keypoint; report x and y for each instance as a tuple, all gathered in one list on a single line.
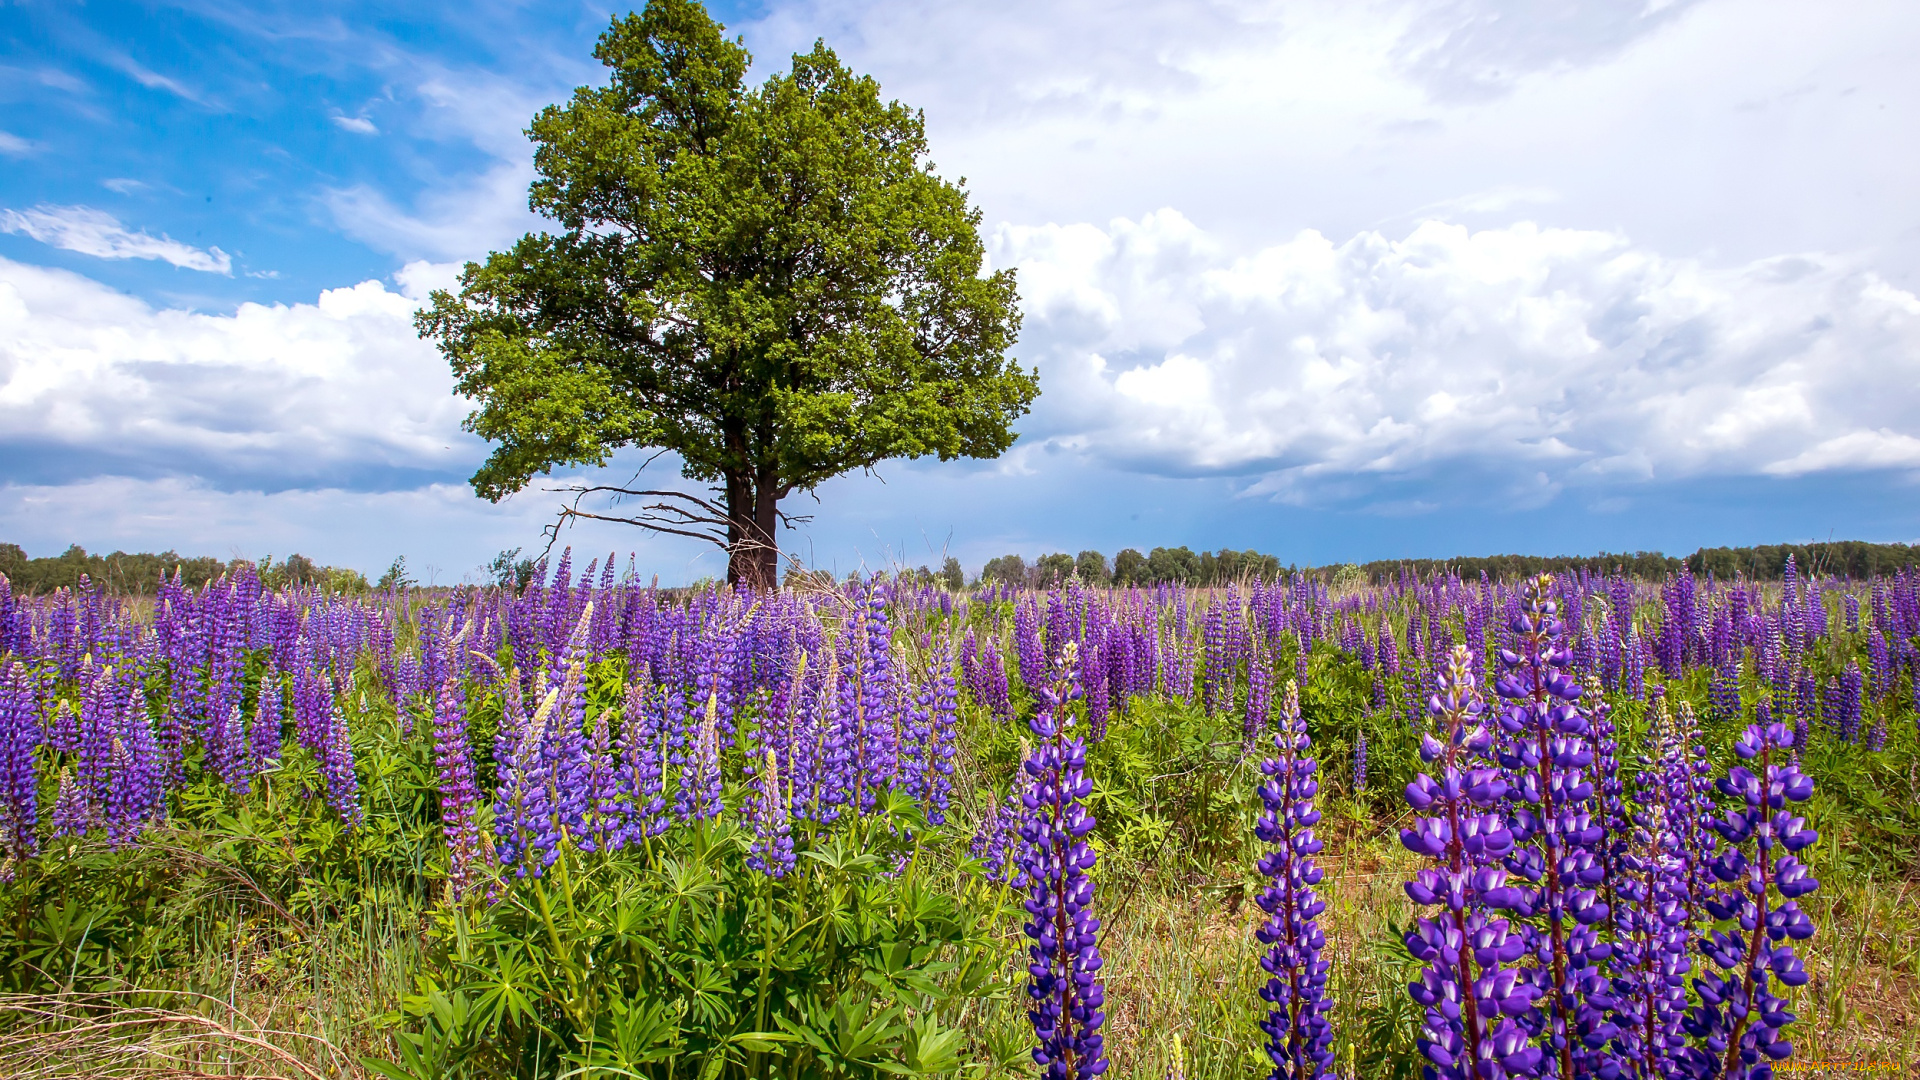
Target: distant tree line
[(140, 573), (1181, 566), (1161, 566), (1768, 562)]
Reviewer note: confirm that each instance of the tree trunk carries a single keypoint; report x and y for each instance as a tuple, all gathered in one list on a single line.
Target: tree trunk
[(753, 552)]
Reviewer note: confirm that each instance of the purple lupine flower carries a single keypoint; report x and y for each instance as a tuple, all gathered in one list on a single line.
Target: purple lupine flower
[(1066, 998), (1881, 673), (459, 792), (1651, 954), (1740, 1020), (697, 798), (1470, 994), (20, 736), (1259, 704), (1026, 638), (137, 794), (337, 769), (942, 746), (993, 689), (997, 843), (644, 732), (1299, 1035), (519, 790), (265, 734), (1216, 680), (605, 825), (1610, 808), (1360, 764), (1554, 834), (772, 850)]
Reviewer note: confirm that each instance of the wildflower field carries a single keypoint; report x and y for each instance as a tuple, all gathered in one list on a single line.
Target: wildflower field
[(1571, 826)]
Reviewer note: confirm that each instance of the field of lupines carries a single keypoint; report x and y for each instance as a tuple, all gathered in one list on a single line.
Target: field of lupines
[(1570, 827)]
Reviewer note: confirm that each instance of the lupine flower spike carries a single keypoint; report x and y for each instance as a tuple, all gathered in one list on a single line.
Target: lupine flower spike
[(1299, 1036), (1064, 990)]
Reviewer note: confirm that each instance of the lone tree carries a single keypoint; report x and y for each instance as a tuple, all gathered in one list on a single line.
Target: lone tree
[(769, 282)]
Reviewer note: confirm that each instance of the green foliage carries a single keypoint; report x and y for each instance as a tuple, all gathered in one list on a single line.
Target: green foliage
[(661, 963), (1091, 568), (770, 282), (396, 577), (1054, 570), (1005, 570)]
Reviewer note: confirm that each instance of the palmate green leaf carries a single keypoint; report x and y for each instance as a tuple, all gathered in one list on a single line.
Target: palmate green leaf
[(930, 1050)]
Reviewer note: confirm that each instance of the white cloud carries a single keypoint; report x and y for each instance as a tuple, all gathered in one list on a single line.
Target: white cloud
[(1738, 128), (153, 80), (340, 391), (13, 145), (462, 217), (359, 125), (1551, 356), (100, 234), (457, 222)]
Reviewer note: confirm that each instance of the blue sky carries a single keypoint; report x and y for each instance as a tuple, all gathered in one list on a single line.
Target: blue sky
[(1333, 280)]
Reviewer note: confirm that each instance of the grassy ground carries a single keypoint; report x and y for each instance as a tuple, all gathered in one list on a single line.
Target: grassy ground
[(267, 999)]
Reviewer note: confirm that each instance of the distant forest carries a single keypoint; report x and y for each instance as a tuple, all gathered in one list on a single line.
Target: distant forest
[(141, 573), (1182, 566)]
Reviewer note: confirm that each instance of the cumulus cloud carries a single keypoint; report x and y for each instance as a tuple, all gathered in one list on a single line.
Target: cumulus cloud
[(100, 234), (1549, 357), (338, 392)]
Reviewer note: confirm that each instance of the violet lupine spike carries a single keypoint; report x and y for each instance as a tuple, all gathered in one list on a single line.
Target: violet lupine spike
[(1554, 834), (20, 736), (698, 796), (522, 809), (1360, 764), (265, 733), (1299, 1034), (1610, 807), (459, 792), (604, 828), (1259, 703), (997, 843), (943, 746), (1468, 988), (137, 796), (1065, 996), (772, 850), (1740, 1021), (1651, 947), (1026, 636), (643, 757)]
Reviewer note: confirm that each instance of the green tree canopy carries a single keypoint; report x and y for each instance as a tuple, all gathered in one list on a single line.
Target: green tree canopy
[(770, 282)]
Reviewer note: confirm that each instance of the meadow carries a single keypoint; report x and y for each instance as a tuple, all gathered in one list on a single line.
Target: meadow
[(589, 827)]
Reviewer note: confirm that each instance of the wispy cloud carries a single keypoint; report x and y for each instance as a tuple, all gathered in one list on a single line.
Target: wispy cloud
[(359, 125), (100, 234), (13, 145), (153, 80), (124, 185)]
